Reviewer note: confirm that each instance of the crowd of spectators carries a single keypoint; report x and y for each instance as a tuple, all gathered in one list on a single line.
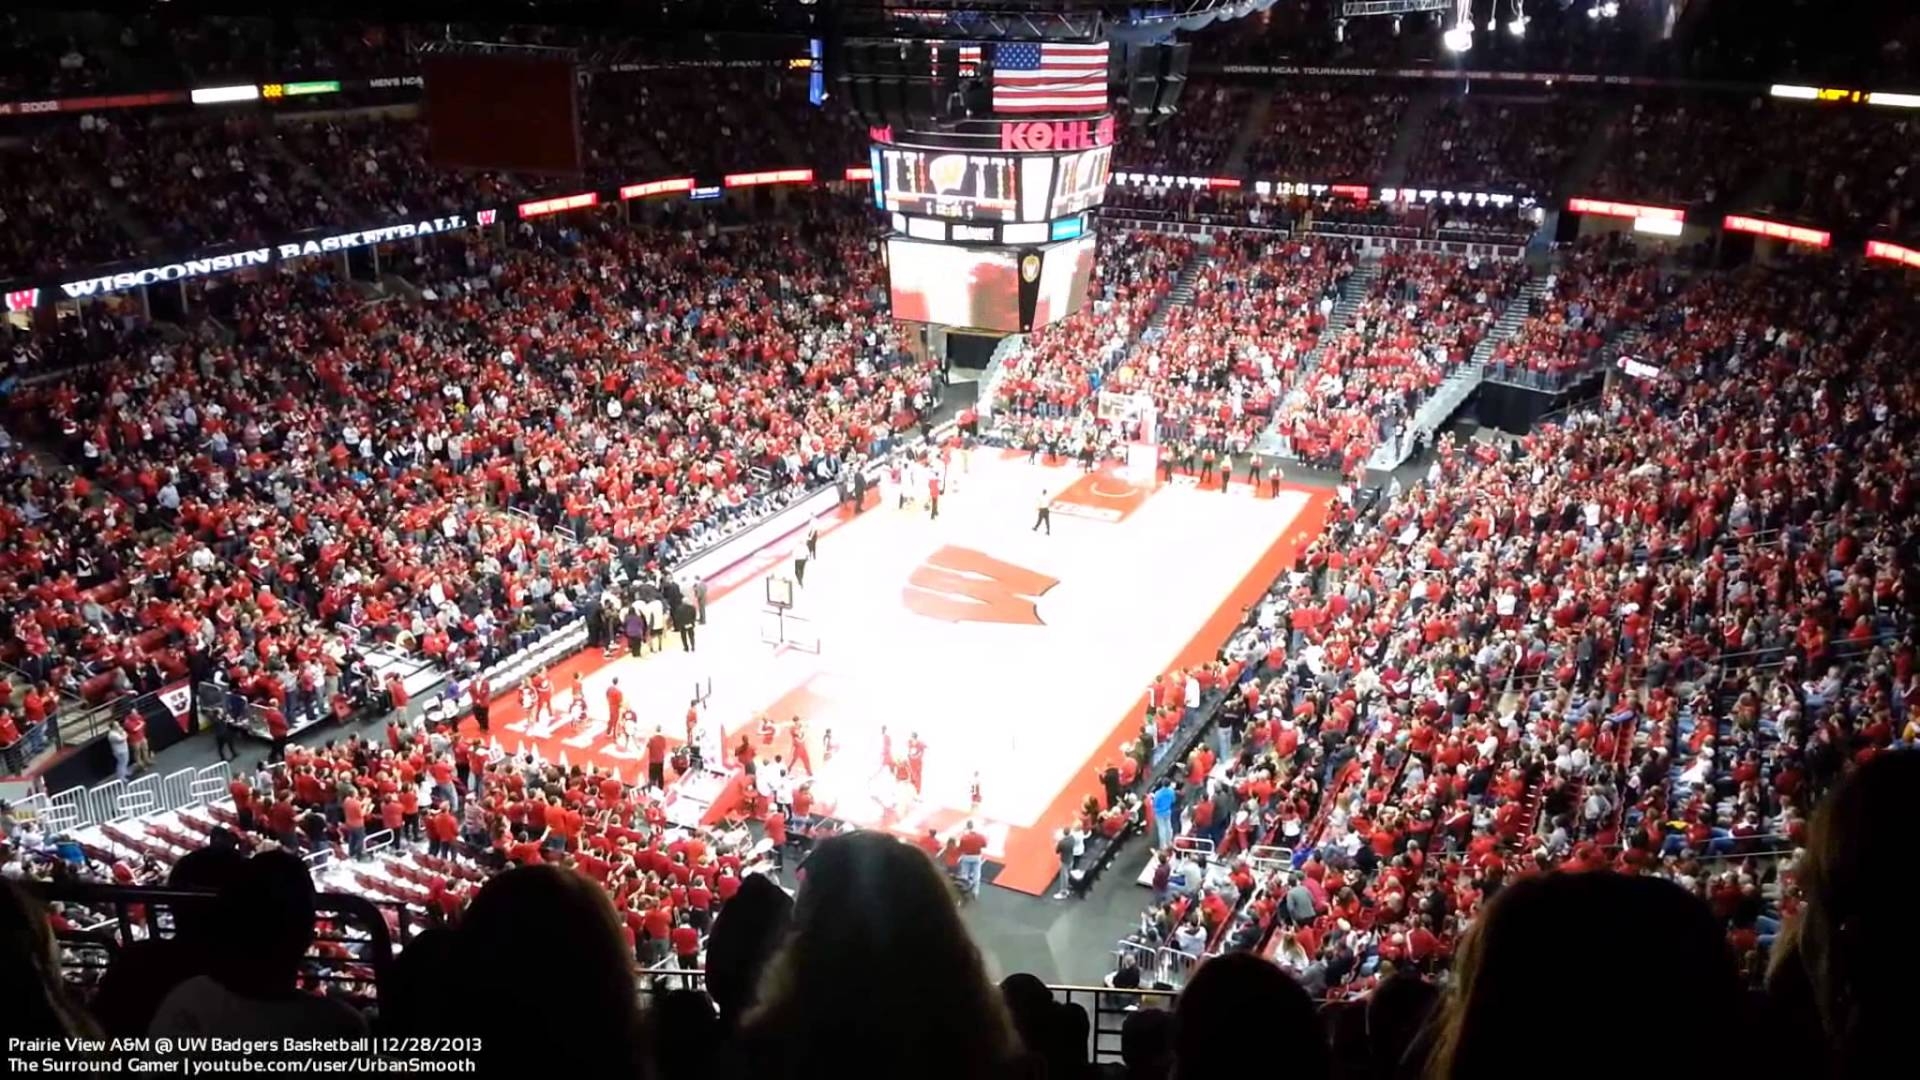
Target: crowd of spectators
[(1852, 171), (647, 393), (1421, 316), (1638, 644), (39, 58), (1053, 380), (1214, 365), (1643, 641), (1195, 141), (47, 224), (708, 122), (1218, 366), (1329, 131), (1598, 288), (1518, 146), (1685, 150)]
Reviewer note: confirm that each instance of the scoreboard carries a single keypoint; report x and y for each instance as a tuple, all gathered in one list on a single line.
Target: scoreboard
[(991, 219), (994, 171)]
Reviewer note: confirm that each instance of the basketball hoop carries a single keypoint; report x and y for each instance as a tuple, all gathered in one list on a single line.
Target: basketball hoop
[(779, 592)]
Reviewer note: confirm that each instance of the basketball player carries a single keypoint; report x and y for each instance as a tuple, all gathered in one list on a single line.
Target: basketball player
[(1045, 516), (826, 748), (797, 750), (886, 749), (613, 705), (916, 761), (542, 697), (973, 792), (813, 542), (766, 730)]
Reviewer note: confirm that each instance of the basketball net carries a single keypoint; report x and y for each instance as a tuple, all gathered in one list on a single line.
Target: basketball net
[(1132, 417)]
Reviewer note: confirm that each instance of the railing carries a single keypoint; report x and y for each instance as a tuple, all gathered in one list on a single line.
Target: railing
[(1548, 382), (358, 928), (122, 800), (18, 755), (354, 928)]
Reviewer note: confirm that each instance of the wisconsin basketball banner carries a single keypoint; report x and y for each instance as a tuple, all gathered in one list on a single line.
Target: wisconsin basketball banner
[(178, 699)]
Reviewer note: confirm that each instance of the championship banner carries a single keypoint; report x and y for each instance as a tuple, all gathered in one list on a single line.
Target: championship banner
[(1029, 261)]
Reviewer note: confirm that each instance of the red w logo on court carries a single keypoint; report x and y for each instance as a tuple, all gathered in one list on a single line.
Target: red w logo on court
[(959, 584)]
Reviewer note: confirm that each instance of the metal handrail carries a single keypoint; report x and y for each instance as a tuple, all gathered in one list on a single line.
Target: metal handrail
[(375, 949)]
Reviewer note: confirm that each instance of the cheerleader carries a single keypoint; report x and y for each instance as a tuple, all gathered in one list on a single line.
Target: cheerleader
[(629, 737)]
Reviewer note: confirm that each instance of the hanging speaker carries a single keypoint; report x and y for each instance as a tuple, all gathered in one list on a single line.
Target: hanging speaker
[(1141, 94), (1173, 80)]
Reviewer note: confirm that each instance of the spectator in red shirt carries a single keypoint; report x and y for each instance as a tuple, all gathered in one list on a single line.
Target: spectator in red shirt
[(137, 742), (686, 944), (442, 830), (353, 817), (972, 845), (277, 731)]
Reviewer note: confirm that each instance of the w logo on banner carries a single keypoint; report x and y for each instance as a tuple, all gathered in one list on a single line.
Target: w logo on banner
[(178, 700), (23, 299), (958, 584), (486, 217)]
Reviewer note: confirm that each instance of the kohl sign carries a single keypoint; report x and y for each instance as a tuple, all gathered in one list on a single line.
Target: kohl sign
[(1056, 134)]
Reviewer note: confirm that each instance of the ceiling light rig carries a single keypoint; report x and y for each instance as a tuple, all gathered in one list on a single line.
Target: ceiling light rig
[(1459, 37)]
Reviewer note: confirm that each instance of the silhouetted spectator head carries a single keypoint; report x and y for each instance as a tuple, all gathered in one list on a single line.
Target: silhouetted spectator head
[(1852, 947), (37, 1000), (1396, 1011), (145, 972), (878, 976), (541, 968), (688, 1034), (1146, 1043), (417, 978), (266, 923), (745, 936), (1237, 997), (211, 869), (1051, 1031), (1564, 945)]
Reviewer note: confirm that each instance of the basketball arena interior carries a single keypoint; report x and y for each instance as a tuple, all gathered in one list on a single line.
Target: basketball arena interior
[(960, 538)]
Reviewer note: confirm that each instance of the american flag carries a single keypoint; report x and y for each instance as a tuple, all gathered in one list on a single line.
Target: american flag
[(1031, 77)]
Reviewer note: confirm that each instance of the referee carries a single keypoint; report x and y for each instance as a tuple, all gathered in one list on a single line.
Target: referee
[(1045, 516)]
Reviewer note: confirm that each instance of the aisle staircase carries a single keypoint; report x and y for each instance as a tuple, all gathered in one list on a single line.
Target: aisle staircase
[(1273, 442), (1413, 123), (1460, 384), (1251, 128), (1181, 295)]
